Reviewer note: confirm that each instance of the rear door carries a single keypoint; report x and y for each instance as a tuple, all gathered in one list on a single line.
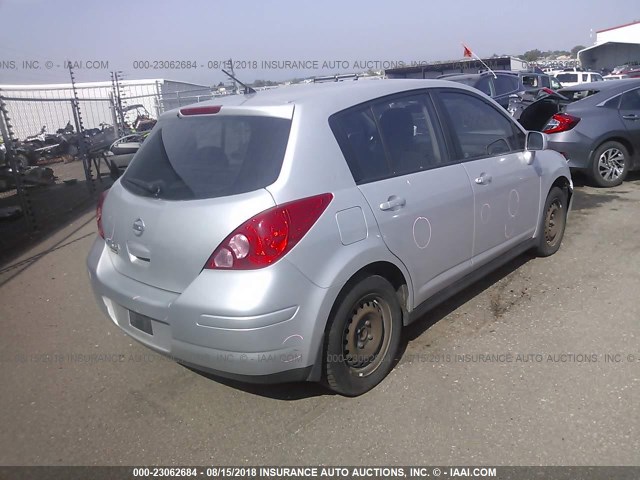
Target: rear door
[(630, 114), (194, 180), (506, 189), (423, 204)]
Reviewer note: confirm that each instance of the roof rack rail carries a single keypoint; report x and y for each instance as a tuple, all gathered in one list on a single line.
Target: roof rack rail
[(336, 78)]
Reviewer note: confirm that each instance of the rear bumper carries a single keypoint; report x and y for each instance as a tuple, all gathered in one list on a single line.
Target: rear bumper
[(575, 147), (263, 326)]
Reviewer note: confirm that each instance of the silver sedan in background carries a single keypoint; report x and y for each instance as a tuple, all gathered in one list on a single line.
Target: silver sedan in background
[(596, 128)]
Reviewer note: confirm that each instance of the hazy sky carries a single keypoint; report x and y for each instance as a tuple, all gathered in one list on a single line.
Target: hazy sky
[(253, 32)]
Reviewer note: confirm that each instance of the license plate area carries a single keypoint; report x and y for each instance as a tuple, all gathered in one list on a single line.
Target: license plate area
[(141, 322)]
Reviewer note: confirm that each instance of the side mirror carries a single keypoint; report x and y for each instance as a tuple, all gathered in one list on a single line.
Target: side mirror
[(536, 141)]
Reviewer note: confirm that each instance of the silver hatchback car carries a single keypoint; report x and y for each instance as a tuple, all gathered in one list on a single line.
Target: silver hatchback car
[(291, 234)]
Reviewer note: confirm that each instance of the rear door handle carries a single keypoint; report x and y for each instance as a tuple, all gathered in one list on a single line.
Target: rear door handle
[(393, 203), (483, 179), (631, 116)]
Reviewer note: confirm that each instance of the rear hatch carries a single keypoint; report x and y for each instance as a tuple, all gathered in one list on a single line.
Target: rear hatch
[(193, 181), (537, 114)]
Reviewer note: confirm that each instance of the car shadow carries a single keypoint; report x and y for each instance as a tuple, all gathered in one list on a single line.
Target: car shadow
[(279, 391), (302, 390), (429, 319)]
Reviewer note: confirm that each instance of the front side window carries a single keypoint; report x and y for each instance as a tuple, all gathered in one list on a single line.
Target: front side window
[(478, 128)]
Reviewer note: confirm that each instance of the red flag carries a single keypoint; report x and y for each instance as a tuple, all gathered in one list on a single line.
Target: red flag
[(467, 51)]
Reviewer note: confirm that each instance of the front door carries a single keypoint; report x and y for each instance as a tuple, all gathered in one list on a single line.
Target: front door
[(506, 187)]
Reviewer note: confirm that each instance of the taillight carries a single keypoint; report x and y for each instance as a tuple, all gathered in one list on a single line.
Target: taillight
[(103, 195), (267, 237), (560, 122)]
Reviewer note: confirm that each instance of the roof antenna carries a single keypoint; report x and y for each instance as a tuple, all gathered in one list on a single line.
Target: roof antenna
[(247, 88)]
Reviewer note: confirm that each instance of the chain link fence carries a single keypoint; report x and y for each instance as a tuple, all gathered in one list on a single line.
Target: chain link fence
[(56, 141)]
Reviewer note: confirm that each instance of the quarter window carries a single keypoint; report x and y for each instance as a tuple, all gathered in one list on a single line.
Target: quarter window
[(479, 129)]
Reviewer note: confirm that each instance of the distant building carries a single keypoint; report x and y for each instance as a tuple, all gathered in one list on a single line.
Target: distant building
[(614, 46)]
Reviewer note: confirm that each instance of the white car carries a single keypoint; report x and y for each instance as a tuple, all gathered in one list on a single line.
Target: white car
[(615, 77), (569, 79)]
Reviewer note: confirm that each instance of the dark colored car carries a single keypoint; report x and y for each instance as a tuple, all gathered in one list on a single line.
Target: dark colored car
[(596, 127), (505, 83)]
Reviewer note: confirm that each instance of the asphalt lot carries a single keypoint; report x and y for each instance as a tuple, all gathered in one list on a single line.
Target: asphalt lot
[(561, 402)]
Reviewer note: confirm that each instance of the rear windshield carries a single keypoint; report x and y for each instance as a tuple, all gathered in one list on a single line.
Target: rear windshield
[(208, 157), (567, 77)]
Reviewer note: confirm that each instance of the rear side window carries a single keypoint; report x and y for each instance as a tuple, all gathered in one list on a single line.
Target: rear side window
[(361, 145), (631, 100), (530, 81), (567, 77), (505, 84), (207, 157), (479, 129), (408, 133), (389, 137)]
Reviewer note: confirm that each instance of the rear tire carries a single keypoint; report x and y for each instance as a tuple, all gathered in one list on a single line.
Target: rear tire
[(610, 164), (363, 337), (553, 222)]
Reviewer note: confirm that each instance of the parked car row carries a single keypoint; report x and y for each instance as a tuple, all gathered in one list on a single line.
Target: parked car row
[(292, 234), (500, 84), (595, 125)]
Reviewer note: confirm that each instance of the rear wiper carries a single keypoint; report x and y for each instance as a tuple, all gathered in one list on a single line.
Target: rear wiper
[(152, 188)]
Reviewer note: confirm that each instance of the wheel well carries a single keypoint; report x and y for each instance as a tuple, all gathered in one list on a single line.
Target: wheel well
[(386, 270), (563, 183)]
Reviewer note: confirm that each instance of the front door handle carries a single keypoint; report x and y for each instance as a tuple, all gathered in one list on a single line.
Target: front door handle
[(483, 179), (393, 203), (631, 116)]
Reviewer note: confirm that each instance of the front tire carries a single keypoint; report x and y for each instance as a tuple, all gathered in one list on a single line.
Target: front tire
[(610, 164), (363, 337), (553, 222)]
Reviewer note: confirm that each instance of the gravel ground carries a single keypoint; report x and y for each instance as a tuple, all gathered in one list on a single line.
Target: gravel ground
[(538, 364)]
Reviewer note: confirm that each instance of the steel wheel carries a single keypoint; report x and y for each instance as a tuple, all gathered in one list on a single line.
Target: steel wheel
[(611, 164), (362, 336), (366, 336), (554, 223)]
